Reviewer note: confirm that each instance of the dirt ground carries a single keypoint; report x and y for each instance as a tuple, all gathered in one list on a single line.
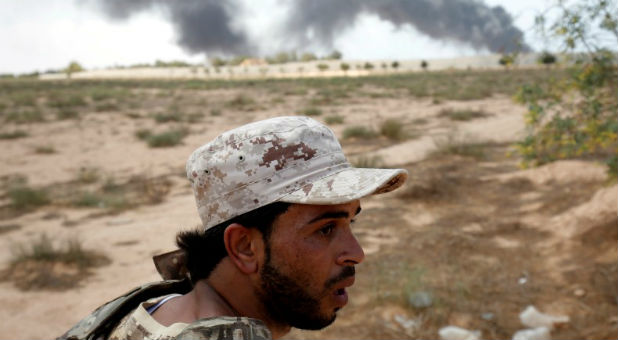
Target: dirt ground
[(480, 236)]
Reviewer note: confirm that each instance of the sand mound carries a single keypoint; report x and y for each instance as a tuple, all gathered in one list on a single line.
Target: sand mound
[(559, 172)]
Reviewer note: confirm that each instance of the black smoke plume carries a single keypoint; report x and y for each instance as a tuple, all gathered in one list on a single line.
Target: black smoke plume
[(205, 25), (465, 21)]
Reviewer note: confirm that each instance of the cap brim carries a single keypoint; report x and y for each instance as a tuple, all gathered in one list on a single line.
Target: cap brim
[(348, 185)]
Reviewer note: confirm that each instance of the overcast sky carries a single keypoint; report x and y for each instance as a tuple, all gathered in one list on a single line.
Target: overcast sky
[(40, 35)]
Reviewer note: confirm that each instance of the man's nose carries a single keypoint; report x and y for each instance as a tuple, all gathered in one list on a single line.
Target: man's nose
[(351, 252)]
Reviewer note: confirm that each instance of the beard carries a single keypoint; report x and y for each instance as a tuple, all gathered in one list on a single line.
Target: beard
[(288, 301)]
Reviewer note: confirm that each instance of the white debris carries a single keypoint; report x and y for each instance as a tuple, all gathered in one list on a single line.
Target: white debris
[(539, 333), (457, 333), (405, 322), (532, 318)]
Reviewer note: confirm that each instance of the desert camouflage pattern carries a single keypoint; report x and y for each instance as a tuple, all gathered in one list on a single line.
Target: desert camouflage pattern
[(140, 325), (289, 159), (235, 328), (99, 323)]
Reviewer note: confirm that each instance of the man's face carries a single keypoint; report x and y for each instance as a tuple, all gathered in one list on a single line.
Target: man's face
[(309, 261)]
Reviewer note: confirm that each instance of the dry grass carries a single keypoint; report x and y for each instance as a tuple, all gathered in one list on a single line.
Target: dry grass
[(462, 115), (333, 119), (40, 264), (393, 129), (359, 132), (14, 134), (24, 198)]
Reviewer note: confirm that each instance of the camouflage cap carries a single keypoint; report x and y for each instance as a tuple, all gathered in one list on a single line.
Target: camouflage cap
[(285, 159)]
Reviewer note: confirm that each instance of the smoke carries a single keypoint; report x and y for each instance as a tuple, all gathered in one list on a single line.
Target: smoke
[(202, 25), (207, 25), (465, 21)]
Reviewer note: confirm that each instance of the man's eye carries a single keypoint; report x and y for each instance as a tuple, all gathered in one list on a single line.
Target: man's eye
[(326, 230)]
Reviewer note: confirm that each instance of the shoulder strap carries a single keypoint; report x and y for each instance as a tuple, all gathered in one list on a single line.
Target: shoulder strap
[(99, 323), (226, 327)]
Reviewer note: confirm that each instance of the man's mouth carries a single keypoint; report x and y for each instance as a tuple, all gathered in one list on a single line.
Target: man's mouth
[(340, 294), (340, 297)]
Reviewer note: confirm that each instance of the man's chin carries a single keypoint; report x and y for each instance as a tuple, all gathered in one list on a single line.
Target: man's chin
[(315, 324)]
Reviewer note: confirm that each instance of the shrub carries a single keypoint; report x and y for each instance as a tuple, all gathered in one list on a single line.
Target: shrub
[(166, 139), (88, 175), (143, 134), (368, 162), (462, 115), (241, 101), (33, 265), (112, 201), (455, 144), (393, 129), (167, 117), (322, 67), (24, 198), (575, 117), (103, 107), (25, 117), (310, 111), (195, 117), (67, 113), (24, 98), (13, 135), (44, 150), (358, 131), (334, 119), (61, 101)]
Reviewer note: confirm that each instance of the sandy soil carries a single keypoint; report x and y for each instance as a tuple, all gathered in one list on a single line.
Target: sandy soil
[(477, 224)]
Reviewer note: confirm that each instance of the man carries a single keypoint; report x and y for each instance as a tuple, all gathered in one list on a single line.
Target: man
[(277, 199)]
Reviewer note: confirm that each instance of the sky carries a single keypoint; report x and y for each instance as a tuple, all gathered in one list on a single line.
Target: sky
[(43, 35)]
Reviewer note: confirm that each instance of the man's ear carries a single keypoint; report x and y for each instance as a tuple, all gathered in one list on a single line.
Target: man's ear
[(244, 247)]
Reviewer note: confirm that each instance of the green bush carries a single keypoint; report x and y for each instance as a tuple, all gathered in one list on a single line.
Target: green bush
[(357, 131), (167, 117), (13, 135), (241, 101), (44, 150), (32, 264), (333, 119), (310, 111), (575, 117), (392, 129), (31, 116), (25, 98), (23, 197), (67, 113), (143, 134), (462, 115), (66, 101), (106, 106), (166, 139)]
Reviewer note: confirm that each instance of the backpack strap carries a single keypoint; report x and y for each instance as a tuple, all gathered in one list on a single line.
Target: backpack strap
[(100, 323)]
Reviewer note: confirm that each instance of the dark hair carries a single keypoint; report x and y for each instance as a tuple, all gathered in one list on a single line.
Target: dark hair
[(205, 249)]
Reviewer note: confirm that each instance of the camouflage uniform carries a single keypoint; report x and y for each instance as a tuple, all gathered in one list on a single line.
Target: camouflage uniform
[(140, 325), (121, 319)]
